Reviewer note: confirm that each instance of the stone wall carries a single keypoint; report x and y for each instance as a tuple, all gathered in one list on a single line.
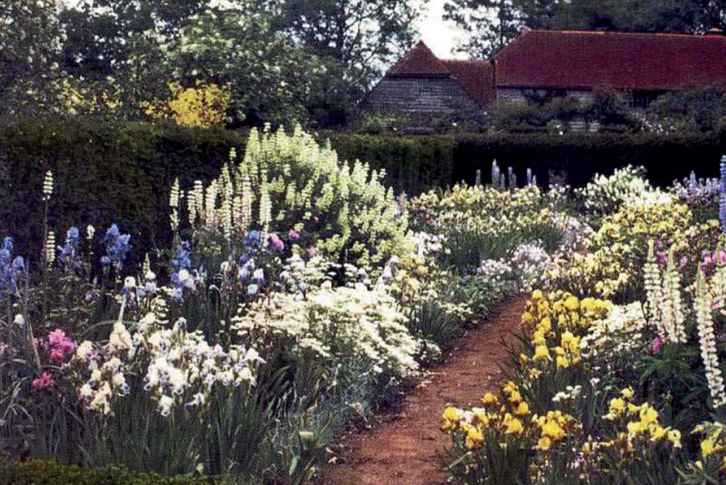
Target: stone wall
[(412, 94)]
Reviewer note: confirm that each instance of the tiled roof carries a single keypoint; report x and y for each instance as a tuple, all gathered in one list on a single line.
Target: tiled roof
[(475, 76), (419, 61), (576, 59)]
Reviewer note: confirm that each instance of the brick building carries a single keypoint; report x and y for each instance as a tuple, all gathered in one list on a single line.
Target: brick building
[(554, 63)]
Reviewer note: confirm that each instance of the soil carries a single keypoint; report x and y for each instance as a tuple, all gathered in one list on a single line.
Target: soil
[(405, 446)]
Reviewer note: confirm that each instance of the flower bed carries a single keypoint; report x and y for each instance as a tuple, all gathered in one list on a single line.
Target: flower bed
[(617, 374), (300, 295)]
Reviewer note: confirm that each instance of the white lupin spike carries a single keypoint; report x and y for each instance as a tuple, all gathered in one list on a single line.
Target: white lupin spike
[(707, 339)]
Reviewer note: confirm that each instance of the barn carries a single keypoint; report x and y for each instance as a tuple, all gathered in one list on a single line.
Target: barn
[(543, 63)]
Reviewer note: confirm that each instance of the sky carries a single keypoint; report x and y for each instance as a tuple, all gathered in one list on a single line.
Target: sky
[(439, 36)]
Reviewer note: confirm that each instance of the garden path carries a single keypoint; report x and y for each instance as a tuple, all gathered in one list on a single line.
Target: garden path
[(405, 446)]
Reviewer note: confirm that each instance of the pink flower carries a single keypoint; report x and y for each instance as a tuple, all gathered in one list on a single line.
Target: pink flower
[(312, 252), (60, 346), (293, 235), (656, 346), (43, 382), (276, 242)]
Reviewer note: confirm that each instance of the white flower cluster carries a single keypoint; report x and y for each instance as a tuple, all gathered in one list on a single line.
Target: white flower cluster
[(531, 263), (363, 323), (179, 367), (620, 332), (626, 186), (569, 394)]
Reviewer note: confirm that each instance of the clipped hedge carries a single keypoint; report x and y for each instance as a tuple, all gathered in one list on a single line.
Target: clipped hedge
[(47, 473), (581, 155), (412, 164), (104, 173)]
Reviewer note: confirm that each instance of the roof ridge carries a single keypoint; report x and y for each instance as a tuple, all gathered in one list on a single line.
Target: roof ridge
[(620, 33)]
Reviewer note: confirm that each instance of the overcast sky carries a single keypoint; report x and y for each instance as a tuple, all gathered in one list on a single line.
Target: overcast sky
[(440, 36)]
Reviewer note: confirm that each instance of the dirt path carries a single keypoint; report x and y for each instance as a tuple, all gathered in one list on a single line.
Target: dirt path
[(405, 446)]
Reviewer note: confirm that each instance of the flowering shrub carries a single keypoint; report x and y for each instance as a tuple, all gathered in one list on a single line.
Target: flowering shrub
[(627, 186), (343, 210)]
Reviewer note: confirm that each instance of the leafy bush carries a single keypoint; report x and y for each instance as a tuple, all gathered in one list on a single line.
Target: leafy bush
[(46, 473)]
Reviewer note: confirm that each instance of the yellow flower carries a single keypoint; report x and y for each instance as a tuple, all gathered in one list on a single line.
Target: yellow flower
[(553, 430), (527, 318), (522, 409), (648, 414), (515, 397), (537, 295), (637, 427), (544, 443), (474, 438), (534, 374), (451, 419), (572, 303), (627, 393), (541, 352), (514, 426), (490, 398), (617, 406), (707, 447), (562, 362)]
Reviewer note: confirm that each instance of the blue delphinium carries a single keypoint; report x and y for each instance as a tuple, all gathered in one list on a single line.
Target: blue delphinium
[(495, 173), (181, 278), (69, 252), (117, 247), (253, 242), (10, 268), (181, 257), (722, 188)]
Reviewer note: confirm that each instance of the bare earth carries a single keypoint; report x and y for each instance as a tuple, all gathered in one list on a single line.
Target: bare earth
[(405, 446)]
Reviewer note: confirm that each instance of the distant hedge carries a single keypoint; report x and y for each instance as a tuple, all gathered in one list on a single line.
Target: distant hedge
[(122, 173), (581, 155), (104, 173), (47, 473), (412, 164)]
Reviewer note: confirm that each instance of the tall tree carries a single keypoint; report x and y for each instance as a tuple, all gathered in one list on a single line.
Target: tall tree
[(29, 45), (489, 24), (364, 35), (100, 33)]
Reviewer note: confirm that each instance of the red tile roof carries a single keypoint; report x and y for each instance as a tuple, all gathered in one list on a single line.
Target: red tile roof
[(475, 76), (419, 61), (585, 60)]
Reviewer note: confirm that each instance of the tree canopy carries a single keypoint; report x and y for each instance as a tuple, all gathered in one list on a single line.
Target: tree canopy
[(491, 24)]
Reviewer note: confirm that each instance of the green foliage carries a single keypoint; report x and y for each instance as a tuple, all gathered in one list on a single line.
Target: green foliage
[(690, 111), (28, 57), (465, 248), (46, 473)]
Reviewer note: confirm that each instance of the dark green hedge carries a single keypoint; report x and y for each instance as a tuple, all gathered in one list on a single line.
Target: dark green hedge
[(412, 164), (47, 473), (104, 173), (581, 155)]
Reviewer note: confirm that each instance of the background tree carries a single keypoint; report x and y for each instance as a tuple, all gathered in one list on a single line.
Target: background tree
[(29, 46), (363, 35)]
